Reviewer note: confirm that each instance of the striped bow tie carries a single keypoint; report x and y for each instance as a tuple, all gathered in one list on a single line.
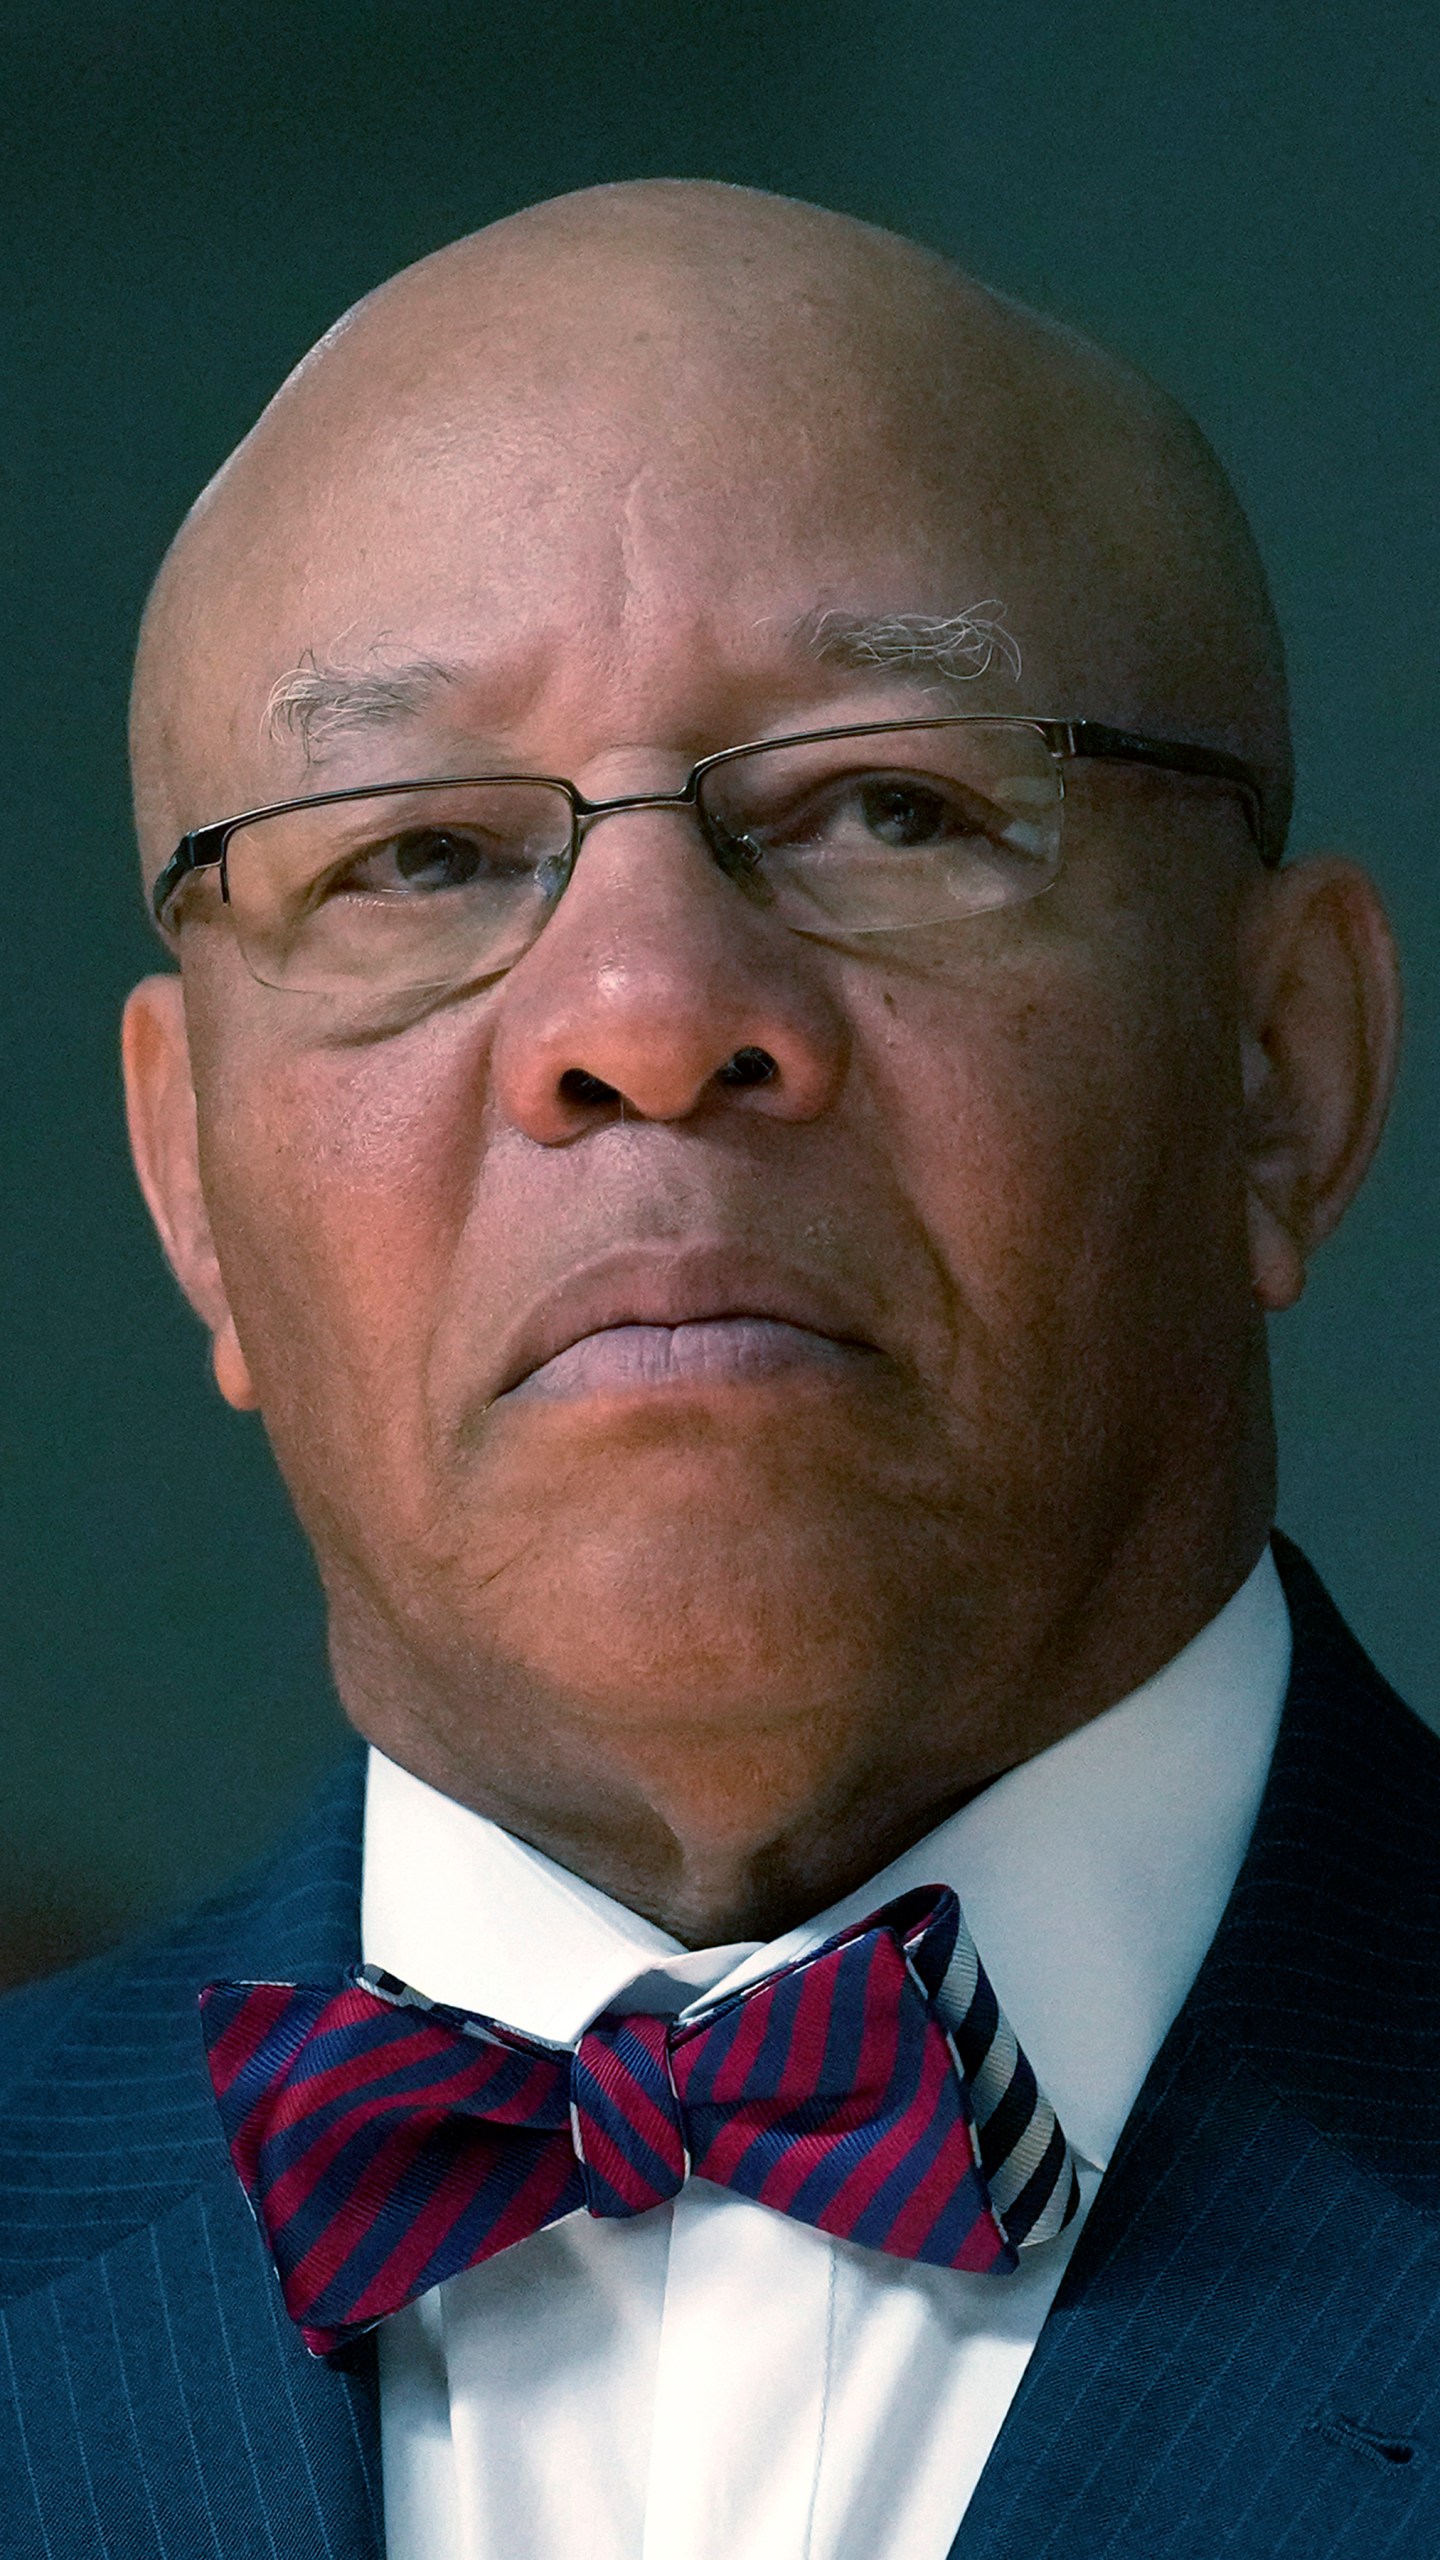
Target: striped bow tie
[(872, 2089)]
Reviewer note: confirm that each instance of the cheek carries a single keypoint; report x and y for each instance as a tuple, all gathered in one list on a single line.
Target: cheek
[(1060, 1125), (337, 1196)]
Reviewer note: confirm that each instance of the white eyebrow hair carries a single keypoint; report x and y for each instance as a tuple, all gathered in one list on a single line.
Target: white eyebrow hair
[(321, 704), (953, 648)]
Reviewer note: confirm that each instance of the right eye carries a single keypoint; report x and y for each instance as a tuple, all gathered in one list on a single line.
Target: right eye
[(423, 861)]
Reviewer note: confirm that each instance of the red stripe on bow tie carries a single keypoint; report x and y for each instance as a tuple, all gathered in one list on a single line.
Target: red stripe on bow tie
[(387, 2143)]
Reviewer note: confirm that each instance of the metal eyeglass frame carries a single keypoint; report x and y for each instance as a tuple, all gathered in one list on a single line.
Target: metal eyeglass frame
[(205, 847)]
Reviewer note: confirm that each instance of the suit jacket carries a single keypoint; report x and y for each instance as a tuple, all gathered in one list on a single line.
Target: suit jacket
[(1244, 2357)]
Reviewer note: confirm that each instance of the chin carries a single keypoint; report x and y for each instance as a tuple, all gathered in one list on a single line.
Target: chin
[(736, 1570), (702, 1598)]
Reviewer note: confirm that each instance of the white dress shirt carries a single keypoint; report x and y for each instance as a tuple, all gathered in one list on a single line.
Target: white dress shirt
[(710, 2381)]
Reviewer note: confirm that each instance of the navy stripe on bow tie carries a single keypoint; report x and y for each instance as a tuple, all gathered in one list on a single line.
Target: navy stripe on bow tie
[(872, 2089)]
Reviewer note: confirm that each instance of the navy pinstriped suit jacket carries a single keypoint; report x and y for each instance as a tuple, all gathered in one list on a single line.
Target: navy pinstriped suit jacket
[(1244, 2358)]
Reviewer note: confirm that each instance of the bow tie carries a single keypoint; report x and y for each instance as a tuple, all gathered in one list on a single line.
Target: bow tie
[(872, 2089)]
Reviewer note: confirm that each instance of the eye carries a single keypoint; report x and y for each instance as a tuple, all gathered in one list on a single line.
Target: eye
[(425, 860), (905, 813), (436, 858), (859, 814)]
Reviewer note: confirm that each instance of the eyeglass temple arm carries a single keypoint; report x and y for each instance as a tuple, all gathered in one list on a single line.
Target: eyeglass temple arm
[(1124, 746), (198, 851)]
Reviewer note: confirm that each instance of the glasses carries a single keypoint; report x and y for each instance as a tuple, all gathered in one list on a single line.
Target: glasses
[(405, 893)]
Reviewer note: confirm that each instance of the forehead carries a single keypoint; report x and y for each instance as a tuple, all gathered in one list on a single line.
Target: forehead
[(616, 501), (570, 535), (645, 480)]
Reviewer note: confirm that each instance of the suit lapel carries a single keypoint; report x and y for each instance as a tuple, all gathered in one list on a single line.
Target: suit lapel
[(1245, 2353), (148, 2375)]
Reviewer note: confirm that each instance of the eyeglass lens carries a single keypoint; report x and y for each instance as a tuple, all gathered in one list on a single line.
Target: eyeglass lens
[(431, 887)]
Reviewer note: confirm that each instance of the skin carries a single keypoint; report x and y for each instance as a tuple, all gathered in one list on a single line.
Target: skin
[(725, 1644)]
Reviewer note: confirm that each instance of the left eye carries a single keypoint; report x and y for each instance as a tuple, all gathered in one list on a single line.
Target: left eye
[(908, 813)]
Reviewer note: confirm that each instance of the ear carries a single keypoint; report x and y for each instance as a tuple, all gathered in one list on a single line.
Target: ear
[(160, 1110), (1320, 993)]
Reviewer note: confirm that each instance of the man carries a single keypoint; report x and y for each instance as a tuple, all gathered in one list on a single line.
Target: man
[(755, 1275)]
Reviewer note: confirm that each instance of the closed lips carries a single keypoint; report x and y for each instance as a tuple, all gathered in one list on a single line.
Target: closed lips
[(669, 1320), (705, 1351)]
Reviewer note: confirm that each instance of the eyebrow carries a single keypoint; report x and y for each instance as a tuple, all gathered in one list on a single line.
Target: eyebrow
[(951, 648), (323, 705)]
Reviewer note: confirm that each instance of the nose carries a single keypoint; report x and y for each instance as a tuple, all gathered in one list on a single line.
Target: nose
[(659, 990)]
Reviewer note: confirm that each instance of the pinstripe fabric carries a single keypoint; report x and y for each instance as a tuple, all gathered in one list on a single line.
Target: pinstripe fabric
[(155, 2403), (1244, 2356), (1243, 2361)]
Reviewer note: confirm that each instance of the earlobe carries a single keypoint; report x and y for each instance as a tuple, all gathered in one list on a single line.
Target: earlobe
[(1277, 1257), (232, 1371), (160, 1114), (1320, 992)]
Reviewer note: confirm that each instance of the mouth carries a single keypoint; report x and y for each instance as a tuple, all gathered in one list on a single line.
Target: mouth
[(692, 1321), (710, 1351)]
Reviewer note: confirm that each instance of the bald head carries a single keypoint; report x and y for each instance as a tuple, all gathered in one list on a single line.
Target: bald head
[(662, 383)]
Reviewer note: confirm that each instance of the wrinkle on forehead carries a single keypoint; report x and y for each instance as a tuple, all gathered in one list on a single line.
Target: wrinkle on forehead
[(721, 351), (325, 704)]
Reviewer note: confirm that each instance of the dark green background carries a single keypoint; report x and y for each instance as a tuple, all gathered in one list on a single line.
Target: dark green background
[(1240, 196)]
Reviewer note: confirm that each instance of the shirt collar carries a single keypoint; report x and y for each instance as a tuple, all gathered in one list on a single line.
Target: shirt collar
[(1092, 1878)]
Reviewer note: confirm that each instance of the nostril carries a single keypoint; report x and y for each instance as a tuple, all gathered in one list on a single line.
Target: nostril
[(747, 1067), (577, 1086)]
